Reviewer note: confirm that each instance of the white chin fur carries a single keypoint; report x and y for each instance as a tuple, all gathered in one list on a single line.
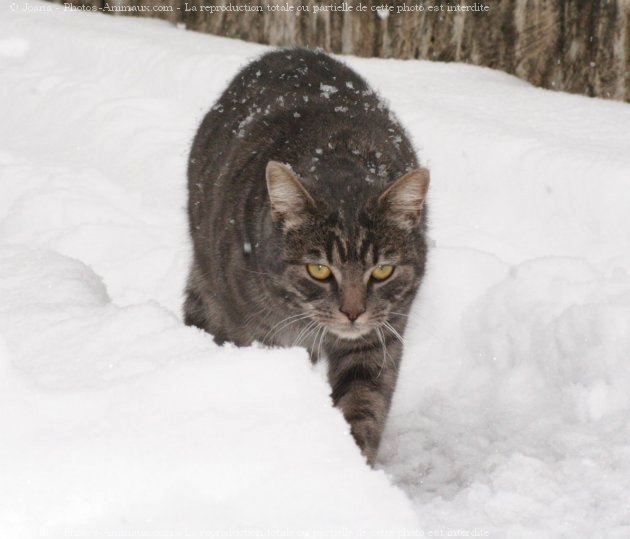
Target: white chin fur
[(350, 333)]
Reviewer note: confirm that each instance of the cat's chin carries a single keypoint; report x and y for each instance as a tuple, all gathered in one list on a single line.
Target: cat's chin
[(351, 332)]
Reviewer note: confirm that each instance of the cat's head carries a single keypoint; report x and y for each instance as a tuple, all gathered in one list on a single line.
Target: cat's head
[(349, 265)]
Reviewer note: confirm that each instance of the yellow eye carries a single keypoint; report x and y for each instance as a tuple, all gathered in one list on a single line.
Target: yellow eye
[(318, 271), (382, 272)]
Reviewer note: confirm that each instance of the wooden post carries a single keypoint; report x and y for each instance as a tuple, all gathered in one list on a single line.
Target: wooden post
[(576, 46)]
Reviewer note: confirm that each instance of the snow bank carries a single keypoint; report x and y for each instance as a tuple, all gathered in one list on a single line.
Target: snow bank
[(121, 419), (511, 414)]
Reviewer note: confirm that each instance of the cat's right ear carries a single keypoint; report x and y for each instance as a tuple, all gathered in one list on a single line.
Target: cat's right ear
[(289, 199), (404, 199)]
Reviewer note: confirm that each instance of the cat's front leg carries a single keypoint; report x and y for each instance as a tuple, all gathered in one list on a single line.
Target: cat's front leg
[(363, 378)]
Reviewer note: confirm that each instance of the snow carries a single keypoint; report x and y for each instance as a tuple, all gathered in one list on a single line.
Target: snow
[(510, 419), (327, 90)]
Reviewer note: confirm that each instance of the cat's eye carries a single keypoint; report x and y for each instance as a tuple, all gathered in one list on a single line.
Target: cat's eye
[(382, 272), (318, 271)]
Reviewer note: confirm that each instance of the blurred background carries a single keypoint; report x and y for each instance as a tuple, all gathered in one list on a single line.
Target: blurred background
[(576, 46)]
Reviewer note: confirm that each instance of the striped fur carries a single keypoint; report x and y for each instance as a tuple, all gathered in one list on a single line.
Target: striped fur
[(248, 280)]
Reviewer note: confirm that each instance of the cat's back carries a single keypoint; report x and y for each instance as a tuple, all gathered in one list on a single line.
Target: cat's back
[(286, 92), (281, 106), (293, 78)]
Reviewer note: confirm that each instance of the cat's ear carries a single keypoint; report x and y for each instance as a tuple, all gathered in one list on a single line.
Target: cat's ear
[(403, 200), (289, 199)]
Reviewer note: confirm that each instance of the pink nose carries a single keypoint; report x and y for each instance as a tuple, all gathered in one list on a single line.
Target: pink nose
[(352, 313)]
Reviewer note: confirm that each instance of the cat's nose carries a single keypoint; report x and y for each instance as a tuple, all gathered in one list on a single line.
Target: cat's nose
[(352, 313)]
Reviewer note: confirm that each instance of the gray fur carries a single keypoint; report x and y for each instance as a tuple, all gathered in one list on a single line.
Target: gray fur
[(305, 132)]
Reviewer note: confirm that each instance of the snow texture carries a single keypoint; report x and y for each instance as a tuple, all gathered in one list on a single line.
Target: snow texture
[(511, 415)]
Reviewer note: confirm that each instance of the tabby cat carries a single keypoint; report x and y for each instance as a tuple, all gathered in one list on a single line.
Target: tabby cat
[(308, 227)]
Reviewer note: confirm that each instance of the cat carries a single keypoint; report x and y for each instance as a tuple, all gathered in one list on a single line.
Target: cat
[(307, 218)]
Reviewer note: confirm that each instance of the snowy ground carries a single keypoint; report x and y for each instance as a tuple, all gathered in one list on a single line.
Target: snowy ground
[(511, 417)]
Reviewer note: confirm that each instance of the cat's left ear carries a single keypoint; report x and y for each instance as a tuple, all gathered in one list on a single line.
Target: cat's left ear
[(289, 199), (403, 200)]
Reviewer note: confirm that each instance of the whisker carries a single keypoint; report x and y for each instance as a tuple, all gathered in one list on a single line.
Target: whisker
[(314, 346), (314, 331), (393, 331), (321, 340), (286, 322), (302, 334), (379, 333)]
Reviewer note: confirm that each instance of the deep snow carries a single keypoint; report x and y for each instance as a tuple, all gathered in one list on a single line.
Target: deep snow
[(511, 416)]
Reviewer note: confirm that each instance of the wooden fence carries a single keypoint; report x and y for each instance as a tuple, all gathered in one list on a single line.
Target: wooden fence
[(578, 46)]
